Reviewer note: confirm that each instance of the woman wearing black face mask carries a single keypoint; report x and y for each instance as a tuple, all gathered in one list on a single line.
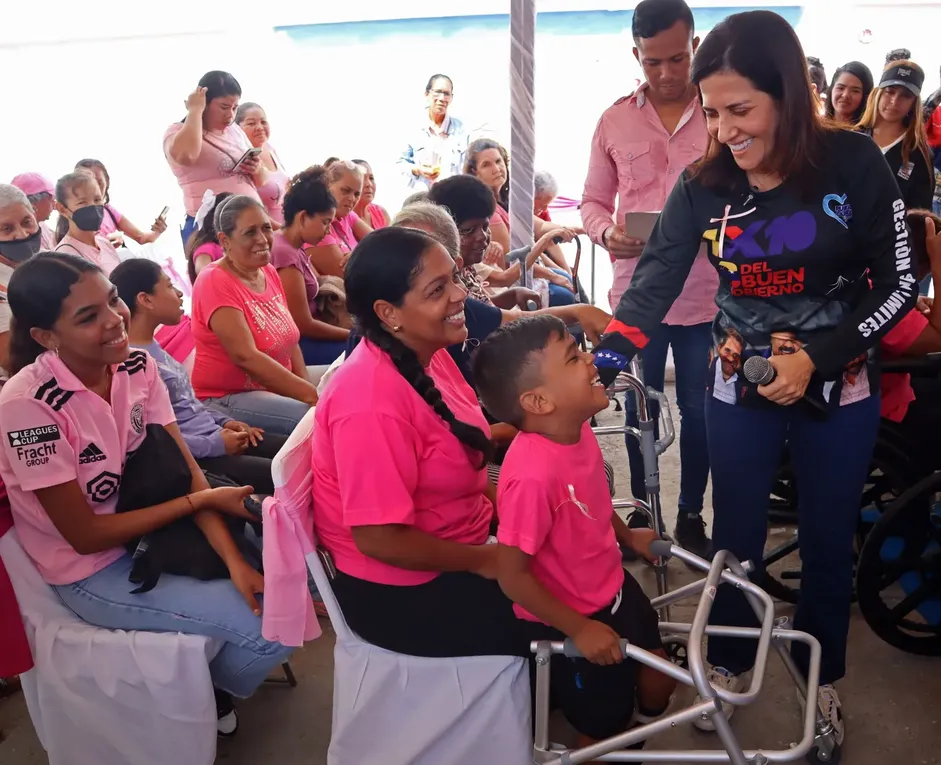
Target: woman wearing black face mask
[(20, 239), (79, 200)]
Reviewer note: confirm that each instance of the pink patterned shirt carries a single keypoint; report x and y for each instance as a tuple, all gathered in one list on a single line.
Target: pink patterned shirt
[(635, 161)]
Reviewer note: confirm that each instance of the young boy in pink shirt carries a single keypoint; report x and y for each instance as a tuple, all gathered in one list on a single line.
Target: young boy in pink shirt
[(559, 559)]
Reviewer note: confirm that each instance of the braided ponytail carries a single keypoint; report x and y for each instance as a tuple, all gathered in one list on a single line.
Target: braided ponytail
[(383, 267)]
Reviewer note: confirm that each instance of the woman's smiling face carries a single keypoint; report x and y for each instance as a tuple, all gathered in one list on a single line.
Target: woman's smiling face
[(741, 117)]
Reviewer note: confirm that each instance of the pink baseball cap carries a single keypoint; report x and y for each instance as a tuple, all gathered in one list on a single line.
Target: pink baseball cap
[(33, 183)]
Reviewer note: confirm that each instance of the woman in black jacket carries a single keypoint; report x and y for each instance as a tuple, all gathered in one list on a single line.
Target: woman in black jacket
[(806, 227), (894, 118)]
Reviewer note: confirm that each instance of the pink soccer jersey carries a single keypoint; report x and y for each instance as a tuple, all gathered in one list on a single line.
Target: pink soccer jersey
[(55, 430), (555, 506)]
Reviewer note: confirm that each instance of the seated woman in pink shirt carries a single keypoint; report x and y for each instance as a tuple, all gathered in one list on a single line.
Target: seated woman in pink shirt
[(309, 208), (114, 225), (253, 120), (203, 246), (400, 491), (207, 150), (80, 205), (78, 404), (376, 216), (248, 362), (345, 181)]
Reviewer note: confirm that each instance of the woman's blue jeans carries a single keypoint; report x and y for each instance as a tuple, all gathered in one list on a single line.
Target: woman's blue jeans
[(831, 461), (180, 604), (262, 409)]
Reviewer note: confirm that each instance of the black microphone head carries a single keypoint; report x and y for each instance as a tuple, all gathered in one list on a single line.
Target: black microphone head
[(758, 370)]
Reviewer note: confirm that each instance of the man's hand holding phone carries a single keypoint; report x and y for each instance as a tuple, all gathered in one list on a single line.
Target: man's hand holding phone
[(620, 245)]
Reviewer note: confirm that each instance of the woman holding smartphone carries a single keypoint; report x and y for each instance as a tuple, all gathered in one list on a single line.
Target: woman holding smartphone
[(806, 228), (207, 150)]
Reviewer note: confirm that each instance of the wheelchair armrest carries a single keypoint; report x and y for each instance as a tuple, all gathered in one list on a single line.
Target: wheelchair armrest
[(919, 366)]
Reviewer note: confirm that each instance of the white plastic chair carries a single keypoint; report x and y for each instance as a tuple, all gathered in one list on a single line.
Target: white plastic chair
[(110, 697), (388, 707), (409, 710)]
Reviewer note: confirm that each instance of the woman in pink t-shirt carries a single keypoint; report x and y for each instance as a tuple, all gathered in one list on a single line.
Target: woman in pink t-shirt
[(248, 363), (309, 208), (400, 494), (80, 204), (254, 122), (78, 404), (345, 181), (376, 216), (205, 149), (114, 225)]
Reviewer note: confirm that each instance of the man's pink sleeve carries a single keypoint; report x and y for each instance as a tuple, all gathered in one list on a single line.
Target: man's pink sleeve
[(525, 514), (35, 441), (377, 468), (900, 338), (601, 187)]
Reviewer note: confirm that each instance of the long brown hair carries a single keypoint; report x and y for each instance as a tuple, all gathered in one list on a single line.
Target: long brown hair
[(470, 166), (762, 47), (914, 136)]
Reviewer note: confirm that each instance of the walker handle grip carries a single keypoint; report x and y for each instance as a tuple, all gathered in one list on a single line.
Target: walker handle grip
[(662, 548), (571, 652)]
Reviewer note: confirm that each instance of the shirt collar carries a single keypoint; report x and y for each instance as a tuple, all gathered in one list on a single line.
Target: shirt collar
[(64, 376), (445, 128)]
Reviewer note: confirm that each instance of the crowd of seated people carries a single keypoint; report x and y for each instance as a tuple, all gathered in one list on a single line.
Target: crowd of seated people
[(266, 256)]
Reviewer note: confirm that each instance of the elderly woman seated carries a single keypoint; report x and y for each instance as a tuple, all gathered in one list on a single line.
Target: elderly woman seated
[(248, 361), (471, 205)]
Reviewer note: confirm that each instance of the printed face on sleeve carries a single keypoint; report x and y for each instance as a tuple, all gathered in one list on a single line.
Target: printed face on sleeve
[(784, 344), (730, 355)]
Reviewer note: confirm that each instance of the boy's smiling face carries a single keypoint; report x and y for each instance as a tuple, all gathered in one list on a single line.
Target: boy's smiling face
[(569, 382)]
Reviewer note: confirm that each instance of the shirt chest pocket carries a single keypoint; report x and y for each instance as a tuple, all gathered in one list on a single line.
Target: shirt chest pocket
[(635, 164)]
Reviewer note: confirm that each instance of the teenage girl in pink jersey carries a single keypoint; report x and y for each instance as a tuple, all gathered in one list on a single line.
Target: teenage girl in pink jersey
[(78, 404)]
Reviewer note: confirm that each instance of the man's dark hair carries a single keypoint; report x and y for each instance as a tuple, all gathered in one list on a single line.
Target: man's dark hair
[(651, 17), (504, 365), (898, 54), (466, 197)]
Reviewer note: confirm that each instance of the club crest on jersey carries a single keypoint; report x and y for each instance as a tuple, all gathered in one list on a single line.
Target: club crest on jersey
[(836, 206), (137, 418)]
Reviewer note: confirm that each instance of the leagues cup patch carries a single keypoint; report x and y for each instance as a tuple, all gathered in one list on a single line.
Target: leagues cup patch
[(137, 418), (29, 436)]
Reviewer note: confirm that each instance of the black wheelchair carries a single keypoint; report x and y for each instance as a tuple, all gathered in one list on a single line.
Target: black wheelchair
[(898, 536)]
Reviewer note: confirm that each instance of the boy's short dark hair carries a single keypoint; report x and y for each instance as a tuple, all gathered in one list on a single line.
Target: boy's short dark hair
[(916, 224), (651, 17), (504, 367)]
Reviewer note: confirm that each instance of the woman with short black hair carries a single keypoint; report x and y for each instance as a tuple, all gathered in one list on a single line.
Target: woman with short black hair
[(806, 228)]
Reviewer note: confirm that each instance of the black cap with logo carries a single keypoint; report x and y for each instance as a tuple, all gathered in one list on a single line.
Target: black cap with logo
[(904, 75)]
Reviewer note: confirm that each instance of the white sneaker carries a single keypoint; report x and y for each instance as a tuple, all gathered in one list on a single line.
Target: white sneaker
[(723, 679), (828, 702)]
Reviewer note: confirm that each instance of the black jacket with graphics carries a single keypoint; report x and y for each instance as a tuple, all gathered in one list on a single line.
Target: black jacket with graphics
[(828, 271)]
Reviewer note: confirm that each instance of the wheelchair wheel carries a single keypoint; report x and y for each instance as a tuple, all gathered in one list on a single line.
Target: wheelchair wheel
[(890, 473), (898, 577), (675, 646)]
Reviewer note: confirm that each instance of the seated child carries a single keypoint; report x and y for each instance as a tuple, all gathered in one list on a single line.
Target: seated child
[(221, 445), (559, 559)]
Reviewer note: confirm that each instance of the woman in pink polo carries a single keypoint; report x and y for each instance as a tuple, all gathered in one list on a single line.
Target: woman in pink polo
[(80, 202), (248, 363), (254, 121), (401, 498), (78, 404), (345, 181), (205, 148)]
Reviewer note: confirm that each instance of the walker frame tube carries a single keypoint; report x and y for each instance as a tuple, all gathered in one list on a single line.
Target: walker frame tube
[(724, 568)]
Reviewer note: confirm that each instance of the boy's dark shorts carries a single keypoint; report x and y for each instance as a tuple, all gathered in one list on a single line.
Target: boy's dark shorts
[(599, 701)]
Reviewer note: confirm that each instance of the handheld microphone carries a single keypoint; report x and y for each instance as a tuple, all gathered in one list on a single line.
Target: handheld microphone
[(759, 371)]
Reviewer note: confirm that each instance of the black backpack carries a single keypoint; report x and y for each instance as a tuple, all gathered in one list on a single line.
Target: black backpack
[(158, 472)]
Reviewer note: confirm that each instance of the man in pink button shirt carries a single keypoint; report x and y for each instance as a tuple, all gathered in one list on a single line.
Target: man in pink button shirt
[(641, 145)]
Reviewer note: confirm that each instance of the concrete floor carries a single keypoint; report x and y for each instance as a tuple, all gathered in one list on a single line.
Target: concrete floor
[(892, 700)]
